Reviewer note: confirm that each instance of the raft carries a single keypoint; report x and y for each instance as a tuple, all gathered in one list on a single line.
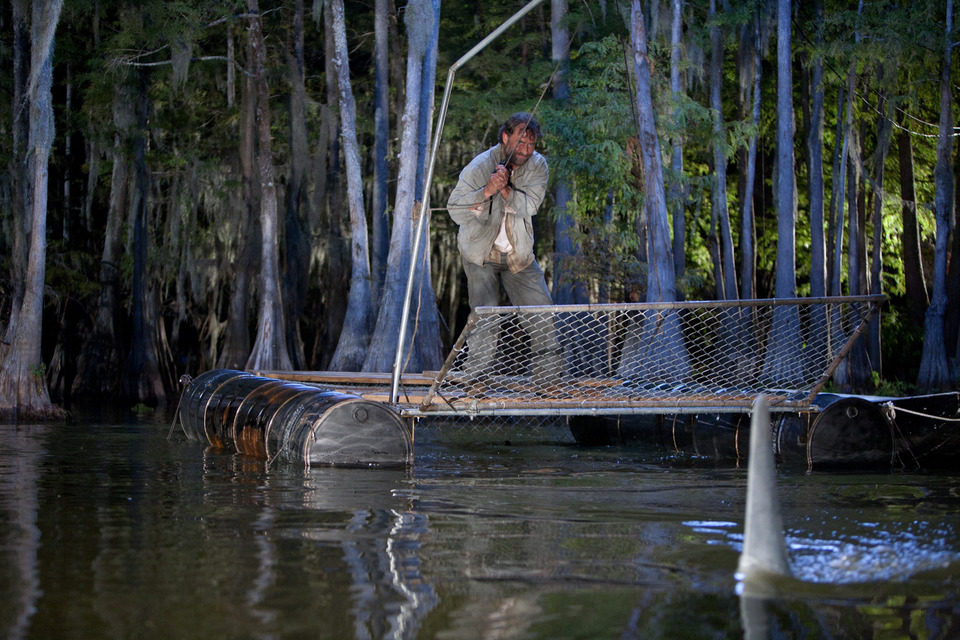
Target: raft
[(841, 432), (293, 422)]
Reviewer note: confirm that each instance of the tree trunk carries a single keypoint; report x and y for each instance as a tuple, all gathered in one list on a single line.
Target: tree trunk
[(858, 377), (241, 263), (835, 212), (670, 361), (841, 375), (429, 341), (19, 169), (677, 191), (725, 274), (818, 260), (335, 263), (142, 380), (782, 362), (748, 233), (934, 374), (380, 227), (352, 346), (270, 349), (99, 368), (23, 388), (914, 282), (884, 131), (382, 351), (296, 265), (852, 176)]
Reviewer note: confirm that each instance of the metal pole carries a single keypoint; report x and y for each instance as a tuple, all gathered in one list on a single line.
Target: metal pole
[(415, 254)]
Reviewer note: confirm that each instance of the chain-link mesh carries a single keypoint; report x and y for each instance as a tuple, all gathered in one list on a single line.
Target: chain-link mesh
[(647, 356)]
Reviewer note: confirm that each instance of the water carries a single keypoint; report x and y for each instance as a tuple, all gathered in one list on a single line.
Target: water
[(108, 529)]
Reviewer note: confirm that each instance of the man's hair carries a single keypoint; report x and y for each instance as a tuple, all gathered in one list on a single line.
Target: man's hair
[(520, 120)]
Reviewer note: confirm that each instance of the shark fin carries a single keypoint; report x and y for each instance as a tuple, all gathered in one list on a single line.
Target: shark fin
[(764, 545)]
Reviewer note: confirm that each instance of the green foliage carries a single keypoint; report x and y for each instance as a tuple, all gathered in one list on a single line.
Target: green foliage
[(893, 388), (588, 141)]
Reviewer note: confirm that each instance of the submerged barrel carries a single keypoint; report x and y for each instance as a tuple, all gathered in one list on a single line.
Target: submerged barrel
[(277, 419), (850, 432)]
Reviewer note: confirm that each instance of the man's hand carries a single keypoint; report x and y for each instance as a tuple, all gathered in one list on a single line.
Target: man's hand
[(498, 182)]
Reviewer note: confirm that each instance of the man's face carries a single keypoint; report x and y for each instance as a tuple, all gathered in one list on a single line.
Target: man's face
[(519, 146)]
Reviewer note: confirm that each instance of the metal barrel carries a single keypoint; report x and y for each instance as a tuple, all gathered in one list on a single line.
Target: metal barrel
[(197, 396), (851, 432), (276, 419)]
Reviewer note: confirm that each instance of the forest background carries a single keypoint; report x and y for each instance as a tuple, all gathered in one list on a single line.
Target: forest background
[(237, 185)]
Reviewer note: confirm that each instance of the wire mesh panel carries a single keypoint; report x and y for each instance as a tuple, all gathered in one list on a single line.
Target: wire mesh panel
[(647, 356)]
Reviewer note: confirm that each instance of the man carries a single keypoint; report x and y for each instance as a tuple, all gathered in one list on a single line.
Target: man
[(495, 199)]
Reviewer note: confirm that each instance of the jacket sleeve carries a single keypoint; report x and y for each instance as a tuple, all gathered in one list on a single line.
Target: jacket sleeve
[(529, 190), (468, 193)]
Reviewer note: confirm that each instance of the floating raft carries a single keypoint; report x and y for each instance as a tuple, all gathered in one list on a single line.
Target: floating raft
[(683, 375), (294, 422)]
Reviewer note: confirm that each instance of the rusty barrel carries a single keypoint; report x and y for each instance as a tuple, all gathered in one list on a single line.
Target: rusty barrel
[(277, 419)]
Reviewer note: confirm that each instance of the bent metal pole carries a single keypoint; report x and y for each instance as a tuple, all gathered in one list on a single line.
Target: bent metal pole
[(418, 234)]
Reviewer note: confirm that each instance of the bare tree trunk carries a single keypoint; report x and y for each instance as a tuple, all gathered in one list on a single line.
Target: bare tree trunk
[(638, 361), (429, 341), (382, 351), (858, 377), (782, 362), (934, 372), (677, 191), (818, 261), (296, 265), (19, 170), (142, 380), (334, 267), (841, 375), (98, 371), (852, 177), (725, 274), (270, 349), (835, 212), (380, 227), (748, 233), (914, 281), (355, 336), (884, 131), (660, 278), (23, 388), (241, 263)]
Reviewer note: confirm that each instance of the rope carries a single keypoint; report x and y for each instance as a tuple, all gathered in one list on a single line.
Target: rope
[(185, 381), (892, 413)]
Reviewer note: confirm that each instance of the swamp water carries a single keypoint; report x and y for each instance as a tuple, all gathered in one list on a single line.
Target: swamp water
[(108, 529)]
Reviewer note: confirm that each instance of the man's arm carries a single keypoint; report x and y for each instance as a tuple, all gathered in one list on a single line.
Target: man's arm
[(528, 193), (475, 186)]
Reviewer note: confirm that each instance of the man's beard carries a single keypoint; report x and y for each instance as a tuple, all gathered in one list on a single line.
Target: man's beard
[(518, 160)]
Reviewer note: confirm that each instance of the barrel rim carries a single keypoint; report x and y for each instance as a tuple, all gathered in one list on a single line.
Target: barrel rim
[(398, 422)]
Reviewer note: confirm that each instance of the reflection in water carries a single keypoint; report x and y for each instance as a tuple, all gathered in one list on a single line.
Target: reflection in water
[(113, 531), (21, 448), (265, 578), (381, 547), (353, 510)]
